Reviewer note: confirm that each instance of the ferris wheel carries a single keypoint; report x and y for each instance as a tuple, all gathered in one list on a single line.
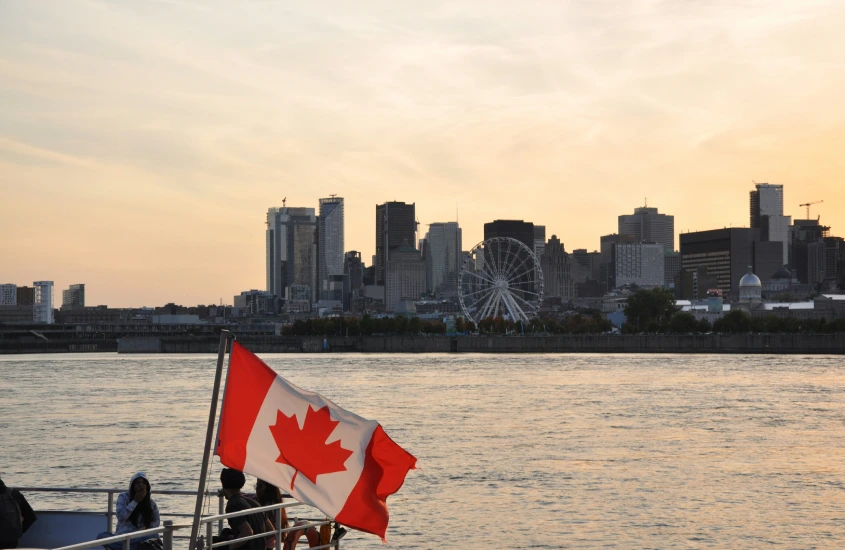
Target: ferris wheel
[(501, 277)]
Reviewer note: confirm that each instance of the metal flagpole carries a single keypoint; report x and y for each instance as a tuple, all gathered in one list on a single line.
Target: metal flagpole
[(225, 336)]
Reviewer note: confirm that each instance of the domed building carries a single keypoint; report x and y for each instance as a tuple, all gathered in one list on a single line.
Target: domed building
[(750, 287)]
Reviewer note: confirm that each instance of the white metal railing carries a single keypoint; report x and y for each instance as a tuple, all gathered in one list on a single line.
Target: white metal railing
[(169, 528)]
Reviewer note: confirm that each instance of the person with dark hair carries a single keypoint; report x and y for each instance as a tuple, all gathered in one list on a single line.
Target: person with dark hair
[(16, 516), (240, 526), (136, 511), (267, 494)]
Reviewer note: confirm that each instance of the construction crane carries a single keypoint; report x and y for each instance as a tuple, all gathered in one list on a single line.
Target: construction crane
[(807, 204)]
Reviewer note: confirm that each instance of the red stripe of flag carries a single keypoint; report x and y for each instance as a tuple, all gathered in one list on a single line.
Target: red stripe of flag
[(246, 389), (385, 467)]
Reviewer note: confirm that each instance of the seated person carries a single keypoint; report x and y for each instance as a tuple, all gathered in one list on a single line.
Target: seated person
[(241, 526), (136, 511), (16, 516)]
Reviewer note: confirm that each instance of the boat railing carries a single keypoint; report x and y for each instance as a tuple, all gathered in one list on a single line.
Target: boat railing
[(168, 530)]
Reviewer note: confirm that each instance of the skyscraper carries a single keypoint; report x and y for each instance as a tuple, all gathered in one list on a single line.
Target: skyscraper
[(395, 224), (330, 237), (766, 206), (8, 294), (291, 249), (727, 253), (42, 308), (556, 271), (443, 251), (647, 225), (74, 296)]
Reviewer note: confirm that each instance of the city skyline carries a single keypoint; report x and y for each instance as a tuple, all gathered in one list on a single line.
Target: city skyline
[(142, 145)]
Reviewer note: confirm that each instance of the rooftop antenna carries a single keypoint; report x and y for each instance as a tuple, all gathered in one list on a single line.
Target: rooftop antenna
[(646, 202), (284, 201)]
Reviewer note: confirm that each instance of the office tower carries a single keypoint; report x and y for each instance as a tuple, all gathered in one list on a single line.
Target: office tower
[(26, 296), (330, 237), (405, 276), (556, 271), (647, 225), (606, 275), (727, 253), (671, 267), (42, 308), (353, 271), (8, 295), (539, 240), (766, 206), (443, 254), (638, 264), (396, 223), (515, 229), (74, 296), (291, 250)]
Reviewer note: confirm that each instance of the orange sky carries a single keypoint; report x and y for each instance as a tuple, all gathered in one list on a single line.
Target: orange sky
[(141, 143)]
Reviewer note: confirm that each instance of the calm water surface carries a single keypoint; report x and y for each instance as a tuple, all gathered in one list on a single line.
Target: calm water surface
[(515, 451)]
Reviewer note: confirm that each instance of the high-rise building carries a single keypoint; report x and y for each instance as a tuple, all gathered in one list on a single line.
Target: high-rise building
[(557, 282), (353, 271), (647, 225), (515, 229), (42, 308), (640, 264), (8, 295), (671, 267), (606, 275), (766, 206), (539, 240), (291, 250), (26, 296), (330, 236), (727, 253), (405, 276), (396, 223), (74, 296), (444, 242)]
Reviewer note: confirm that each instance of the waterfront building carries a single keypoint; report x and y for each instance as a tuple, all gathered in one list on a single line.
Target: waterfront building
[(766, 208), (750, 287), (25, 296), (557, 281), (396, 224), (443, 254), (291, 249), (74, 296), (42, 307), (8, 294), (639, 264), (330, 239), (648, 225), (405, 276), (727, 253)]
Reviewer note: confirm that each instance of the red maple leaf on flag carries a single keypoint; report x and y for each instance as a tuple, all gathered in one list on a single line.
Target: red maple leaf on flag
[(305, 449)]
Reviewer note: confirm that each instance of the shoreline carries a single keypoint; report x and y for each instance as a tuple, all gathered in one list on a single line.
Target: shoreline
[(742, 343)]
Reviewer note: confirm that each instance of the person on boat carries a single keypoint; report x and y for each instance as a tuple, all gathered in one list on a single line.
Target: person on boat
[(240, 526), (16, 516), (136, 511), (267, 494)]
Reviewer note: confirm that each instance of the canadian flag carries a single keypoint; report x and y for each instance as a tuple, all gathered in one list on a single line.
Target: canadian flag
[(324, 456)]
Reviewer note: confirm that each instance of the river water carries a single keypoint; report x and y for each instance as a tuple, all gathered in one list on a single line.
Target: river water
[(515, 451)]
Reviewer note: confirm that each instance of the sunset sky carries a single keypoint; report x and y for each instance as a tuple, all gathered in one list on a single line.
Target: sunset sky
[(141, 143)]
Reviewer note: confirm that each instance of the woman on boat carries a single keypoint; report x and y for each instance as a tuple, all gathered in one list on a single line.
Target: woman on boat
[(267, 494), (136, 511)]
